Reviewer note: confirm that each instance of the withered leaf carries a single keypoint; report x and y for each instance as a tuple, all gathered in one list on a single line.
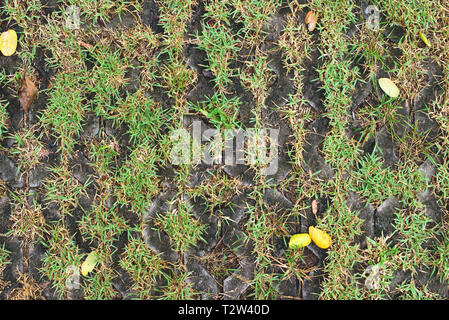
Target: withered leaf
[(320, 237), (314, 207), (310, 20), (8, 43), (90, 263), (27, 93), (389, 87), (299, 241)]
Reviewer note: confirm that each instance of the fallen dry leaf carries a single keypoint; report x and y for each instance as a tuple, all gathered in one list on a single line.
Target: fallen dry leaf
[(299, 240), (8, 42), (90, 263), (310, 20), (314, 207), (389, 87), (27, 93), (321, 238)]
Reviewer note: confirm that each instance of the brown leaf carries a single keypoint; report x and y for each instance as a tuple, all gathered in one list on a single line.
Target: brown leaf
[(27, 93), (311, 20), (314, 206)]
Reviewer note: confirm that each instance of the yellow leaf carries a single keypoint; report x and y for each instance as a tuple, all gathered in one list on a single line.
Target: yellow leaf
[(299, 240), (321, 238), (8, 42), (90, 263), (389, 87), (424, 39)]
